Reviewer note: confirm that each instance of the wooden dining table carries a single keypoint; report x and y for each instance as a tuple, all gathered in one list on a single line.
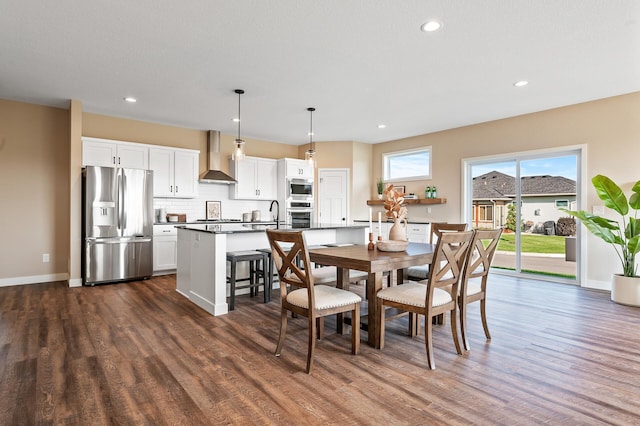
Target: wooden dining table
[(375, 263)]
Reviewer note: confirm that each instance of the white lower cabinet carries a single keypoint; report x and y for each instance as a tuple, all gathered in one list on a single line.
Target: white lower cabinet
[(418, 232), (165, 248)]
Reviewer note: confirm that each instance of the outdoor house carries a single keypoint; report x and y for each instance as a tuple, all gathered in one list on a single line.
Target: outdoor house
[(542, 196)]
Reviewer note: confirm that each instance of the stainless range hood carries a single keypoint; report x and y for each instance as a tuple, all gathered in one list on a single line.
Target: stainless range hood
[(213, 173)]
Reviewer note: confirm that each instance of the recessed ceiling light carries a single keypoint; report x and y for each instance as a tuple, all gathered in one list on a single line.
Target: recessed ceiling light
[(520, 83), (382, 126), (430, 26), (131, 100), (235, 119)]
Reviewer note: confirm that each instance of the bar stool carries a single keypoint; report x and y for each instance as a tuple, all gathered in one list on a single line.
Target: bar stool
[(255, 273)]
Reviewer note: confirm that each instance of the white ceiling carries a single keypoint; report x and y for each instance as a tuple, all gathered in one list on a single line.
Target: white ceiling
[(358, 62)]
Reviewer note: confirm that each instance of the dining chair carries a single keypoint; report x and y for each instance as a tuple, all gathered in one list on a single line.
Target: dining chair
[(421, 272), (431, 299), (304, 298), (473, 284)]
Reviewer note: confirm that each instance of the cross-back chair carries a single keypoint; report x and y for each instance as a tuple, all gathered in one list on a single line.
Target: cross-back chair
[(421, 272), (473, 285), (431, 299), (300, 295)]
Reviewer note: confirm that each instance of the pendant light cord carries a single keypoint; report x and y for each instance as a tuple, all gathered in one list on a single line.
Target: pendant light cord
[(311, 143), (239, 92)]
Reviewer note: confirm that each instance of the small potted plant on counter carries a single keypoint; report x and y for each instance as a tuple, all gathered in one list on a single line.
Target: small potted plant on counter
[(380, 186), (624, 236)]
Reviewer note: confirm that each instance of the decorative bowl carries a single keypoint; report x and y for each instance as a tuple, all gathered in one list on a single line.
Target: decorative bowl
[(392, 245)]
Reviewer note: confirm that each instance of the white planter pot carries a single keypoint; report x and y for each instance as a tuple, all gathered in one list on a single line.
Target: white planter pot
[(626, 290)]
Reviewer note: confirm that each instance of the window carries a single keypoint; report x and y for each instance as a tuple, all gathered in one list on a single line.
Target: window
[(486, 213), (413, 164), (562, 203)]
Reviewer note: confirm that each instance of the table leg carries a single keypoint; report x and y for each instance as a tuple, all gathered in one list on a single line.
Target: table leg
[(343, 283), (374, 284)]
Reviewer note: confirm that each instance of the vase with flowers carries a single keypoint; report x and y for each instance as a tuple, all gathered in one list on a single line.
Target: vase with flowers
[(396, 210)]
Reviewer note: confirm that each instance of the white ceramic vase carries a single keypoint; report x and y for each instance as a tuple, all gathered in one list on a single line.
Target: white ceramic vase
[(625, 290), (398, 230)]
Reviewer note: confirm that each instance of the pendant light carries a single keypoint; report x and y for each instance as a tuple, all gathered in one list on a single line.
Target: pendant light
[(310, 155), (238, 152)]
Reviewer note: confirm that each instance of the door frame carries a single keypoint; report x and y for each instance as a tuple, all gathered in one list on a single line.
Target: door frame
[(581, 184), (321, 172)]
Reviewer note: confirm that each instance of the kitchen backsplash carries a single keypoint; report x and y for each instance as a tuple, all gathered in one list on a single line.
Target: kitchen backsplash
[(194, 208)]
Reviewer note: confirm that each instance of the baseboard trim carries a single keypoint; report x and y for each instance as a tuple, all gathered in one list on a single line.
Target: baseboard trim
[(598, 285), (34, 279)]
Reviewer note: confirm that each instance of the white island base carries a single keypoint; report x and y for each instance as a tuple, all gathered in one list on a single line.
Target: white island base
[(202, 257)]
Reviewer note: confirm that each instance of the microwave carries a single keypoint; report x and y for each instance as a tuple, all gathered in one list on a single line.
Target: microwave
[(300, 188)]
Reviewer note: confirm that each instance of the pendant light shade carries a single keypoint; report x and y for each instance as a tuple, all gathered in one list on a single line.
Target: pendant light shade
[(238, 152), (310, 155)]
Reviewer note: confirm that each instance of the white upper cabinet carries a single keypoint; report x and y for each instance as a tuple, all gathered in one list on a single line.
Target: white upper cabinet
[(296, 168), (256, 178), (108, 153), (175, 172)]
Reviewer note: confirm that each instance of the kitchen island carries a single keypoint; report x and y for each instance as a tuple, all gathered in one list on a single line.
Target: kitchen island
[(202, 254)]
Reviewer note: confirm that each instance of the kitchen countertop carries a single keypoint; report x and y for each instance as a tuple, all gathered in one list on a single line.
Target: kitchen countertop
[(217, 222), (424, 222), (235, 227)]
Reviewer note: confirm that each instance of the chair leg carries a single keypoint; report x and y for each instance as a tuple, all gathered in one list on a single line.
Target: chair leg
[(355, 329), (252, 278), (381, 321), (463, 325), (320, 325), (428, 328), (414, 324), (454, 329), (483, 314), (267, 277), (283, 331), (232, 290), (312, 343)]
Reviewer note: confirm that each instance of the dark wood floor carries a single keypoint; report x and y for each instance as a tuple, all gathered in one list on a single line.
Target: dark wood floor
[(139, 353)]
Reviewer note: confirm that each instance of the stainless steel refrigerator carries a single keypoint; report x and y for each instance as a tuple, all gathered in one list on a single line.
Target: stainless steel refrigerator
[(117, 224)]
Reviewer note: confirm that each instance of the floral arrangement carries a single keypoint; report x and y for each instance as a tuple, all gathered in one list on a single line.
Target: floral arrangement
[(394, 203)]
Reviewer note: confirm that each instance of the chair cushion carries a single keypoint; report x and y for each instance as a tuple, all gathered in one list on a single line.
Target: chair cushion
[(326, 297), (245, 253), (412, 293), (418, 272)]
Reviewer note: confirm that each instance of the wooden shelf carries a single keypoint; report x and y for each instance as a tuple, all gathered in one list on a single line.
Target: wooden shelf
[(411, 201)]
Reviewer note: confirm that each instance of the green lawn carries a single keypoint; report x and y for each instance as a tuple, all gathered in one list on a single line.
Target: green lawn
[(533, 243)]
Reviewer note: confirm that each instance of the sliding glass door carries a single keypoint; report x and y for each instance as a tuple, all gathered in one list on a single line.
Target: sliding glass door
[(523, 194)]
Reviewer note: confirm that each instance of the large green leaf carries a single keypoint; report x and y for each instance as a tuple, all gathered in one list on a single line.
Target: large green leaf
[(598, 226), (633, 228), (634, 245), (634, 200), (610, 194)]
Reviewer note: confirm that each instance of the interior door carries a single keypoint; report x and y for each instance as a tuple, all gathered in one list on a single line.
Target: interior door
[(333, 195)]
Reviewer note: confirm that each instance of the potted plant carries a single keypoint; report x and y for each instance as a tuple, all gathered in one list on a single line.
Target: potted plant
[(623, 235), (380, 186)]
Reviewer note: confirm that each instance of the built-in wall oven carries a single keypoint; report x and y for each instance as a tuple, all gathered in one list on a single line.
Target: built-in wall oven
[(299, 202), (299, 218), (299, 188)]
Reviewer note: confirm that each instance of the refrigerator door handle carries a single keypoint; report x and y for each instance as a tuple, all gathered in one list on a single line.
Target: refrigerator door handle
[(124, 209), (117, 240), (118, 201)]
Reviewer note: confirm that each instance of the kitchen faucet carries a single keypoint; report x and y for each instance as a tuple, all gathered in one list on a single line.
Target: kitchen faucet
[(277, 212)]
